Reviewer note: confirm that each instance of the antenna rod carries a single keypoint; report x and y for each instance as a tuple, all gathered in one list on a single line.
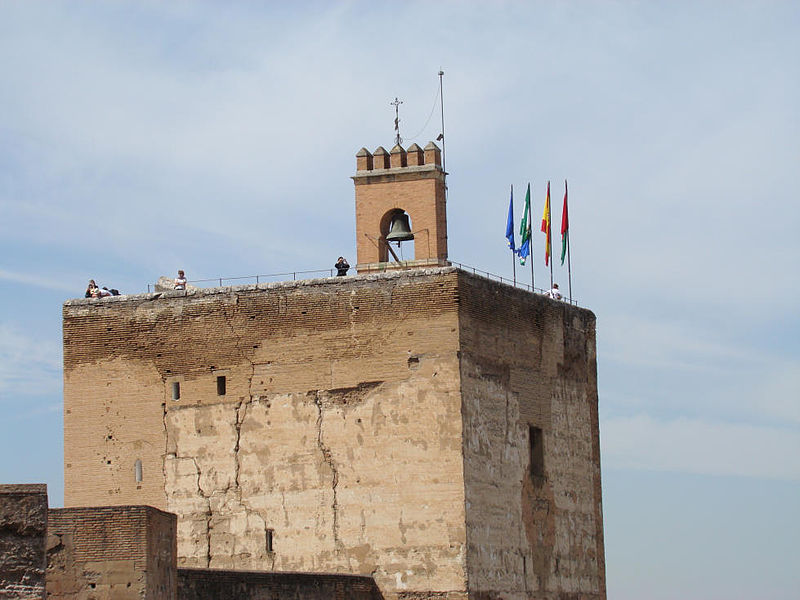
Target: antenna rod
[(444, 154)]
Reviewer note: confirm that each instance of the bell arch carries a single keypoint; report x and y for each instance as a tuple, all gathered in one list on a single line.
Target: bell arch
[(385, 228)]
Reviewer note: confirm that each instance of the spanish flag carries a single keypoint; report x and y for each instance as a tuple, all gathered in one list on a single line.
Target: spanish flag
[(546, 226)]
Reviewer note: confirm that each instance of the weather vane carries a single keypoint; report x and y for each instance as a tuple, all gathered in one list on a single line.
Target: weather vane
[(397, 139)]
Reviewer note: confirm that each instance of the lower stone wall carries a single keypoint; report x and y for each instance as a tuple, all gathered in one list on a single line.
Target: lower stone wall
[(203, 584), (23, 528), (111, 553)]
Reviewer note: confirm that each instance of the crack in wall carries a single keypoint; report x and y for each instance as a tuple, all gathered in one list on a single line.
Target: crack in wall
[(241, 412), (209, 512), (328, 458)]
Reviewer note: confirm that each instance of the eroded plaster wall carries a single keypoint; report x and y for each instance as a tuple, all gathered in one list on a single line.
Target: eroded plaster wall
[(528, 361), (336, 446), (23, 528)]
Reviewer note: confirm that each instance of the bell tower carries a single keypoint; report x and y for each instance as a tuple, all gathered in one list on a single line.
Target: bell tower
[(400, 196)]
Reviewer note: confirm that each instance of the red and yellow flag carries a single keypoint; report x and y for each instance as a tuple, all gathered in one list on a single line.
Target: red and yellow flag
[(546, 226)]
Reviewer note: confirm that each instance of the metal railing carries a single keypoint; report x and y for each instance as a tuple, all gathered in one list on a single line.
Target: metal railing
[(315, 273)]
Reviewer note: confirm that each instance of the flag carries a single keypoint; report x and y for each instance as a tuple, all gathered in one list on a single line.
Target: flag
[(546, 226), (525, 229), (564, 226), (510, 222)]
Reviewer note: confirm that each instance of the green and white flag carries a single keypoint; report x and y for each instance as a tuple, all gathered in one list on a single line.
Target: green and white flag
[(525, 229)]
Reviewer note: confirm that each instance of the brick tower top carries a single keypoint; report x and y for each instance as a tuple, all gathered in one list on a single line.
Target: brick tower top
[(387, 184)]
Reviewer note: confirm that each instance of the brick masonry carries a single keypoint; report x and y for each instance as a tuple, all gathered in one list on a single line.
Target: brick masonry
[(23, 526), (370, 425), (111, 552), (416, 187)]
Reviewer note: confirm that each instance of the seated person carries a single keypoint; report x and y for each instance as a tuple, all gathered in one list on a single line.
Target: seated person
[(180, 280), (555, 294)]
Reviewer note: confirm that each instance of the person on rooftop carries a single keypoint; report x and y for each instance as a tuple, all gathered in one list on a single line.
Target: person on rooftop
[(90, 289), (342, 267), (554, 293), (180, 280)]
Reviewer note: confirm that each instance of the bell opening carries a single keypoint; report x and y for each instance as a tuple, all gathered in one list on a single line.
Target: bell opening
[(397, 228)]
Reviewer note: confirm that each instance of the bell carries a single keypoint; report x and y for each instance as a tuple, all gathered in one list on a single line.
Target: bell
[(399, 230)]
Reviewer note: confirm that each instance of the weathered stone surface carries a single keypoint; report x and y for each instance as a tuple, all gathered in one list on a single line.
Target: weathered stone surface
[(530, 536), (376, 424), (23, 530), (111, 553)]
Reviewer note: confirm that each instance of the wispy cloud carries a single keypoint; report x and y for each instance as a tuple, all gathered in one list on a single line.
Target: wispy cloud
[(28, 366), (45, 282), (701, 447)]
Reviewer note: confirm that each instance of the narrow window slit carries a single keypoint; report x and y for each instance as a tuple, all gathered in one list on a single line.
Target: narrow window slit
[(536, 442), (269, 540)]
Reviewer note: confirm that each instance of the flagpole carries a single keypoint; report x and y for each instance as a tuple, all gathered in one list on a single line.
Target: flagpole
[(514, 266), (513, 253), (569, 262), (530, 219), (550, 235), (533, 281)]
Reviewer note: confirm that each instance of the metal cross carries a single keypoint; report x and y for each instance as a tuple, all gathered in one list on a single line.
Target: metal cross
[(397, 139)]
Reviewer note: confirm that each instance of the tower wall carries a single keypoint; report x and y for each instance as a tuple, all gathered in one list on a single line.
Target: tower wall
[(376, 424), (336, 447), (528, 361)]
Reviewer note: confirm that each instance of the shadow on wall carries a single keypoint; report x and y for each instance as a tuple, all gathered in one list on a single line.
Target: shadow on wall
[(204, 584)]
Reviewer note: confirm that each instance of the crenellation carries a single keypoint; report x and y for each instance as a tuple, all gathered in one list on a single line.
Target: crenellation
[(380, 158), (433, 155), (415, 156), (398, 157), (364, 160)]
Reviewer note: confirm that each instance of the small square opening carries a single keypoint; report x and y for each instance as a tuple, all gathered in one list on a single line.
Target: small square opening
[(221, 385), (176, 390), (536, 445)]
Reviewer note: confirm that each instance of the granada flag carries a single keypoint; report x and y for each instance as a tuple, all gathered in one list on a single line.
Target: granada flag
[(564, 226), (546, 227)]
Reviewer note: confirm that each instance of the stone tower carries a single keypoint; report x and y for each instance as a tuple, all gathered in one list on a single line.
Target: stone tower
[(426, 426), (410, 181)]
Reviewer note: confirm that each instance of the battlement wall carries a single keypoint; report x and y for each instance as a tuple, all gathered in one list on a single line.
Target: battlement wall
[(377, 424), (117, 552), (335, 445), (23, 527), (531, 444)]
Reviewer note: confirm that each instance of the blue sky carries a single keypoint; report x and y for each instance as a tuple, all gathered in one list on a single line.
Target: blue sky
[(140, 137)]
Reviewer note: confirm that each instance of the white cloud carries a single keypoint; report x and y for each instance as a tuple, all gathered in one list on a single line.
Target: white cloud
[(28, 366), (46, 282), (701, 447)]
